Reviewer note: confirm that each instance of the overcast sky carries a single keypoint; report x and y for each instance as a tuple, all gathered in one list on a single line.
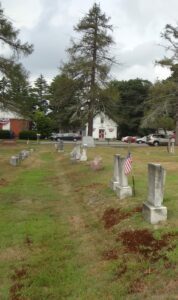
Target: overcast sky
[(137, 24)]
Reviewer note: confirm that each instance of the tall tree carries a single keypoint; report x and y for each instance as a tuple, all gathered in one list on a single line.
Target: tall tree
[(89, 60), (130, 105), (15, 91), (159, 108), (170, 34), (41, 94), (8, 64), (64, 103)]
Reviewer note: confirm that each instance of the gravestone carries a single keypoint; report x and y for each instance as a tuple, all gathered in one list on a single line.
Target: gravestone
[(153, 210), (88, 141), (115, 179), (172, 145), (38, 135), (84, 154), (75, 154), (60, 146), (97, 163), (14, 160), (123, 190), (24, 154)]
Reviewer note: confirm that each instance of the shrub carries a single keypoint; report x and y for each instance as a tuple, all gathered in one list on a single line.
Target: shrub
[(6, 134), (27, 134)]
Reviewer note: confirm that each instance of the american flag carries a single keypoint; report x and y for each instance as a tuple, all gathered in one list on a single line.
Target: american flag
[(128, 164)]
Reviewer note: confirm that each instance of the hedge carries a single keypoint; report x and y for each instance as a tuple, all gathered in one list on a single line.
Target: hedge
[(27, 134)]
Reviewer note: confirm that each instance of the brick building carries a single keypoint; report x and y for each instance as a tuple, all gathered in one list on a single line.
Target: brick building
[(13, 121)]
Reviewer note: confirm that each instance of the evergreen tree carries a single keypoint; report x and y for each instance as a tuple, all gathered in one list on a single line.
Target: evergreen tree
[(170, 34), (90, 62), (15, 91), (130, 104), (9, 37), (41, 94), (64, 102), (8, 65)]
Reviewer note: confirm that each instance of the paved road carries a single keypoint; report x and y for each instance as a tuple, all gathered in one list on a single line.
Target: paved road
[(102, 143)]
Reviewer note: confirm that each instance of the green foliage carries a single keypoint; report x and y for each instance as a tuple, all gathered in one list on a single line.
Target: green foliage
[(5, 134), (65, 103), (160, 106), (130, 104), (43, 124), (27, 135), (90, 62), (13, 85), (170, 35), (40, 93), (9, 37)]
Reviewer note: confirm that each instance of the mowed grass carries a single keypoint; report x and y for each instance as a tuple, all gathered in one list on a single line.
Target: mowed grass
[(55, 242)]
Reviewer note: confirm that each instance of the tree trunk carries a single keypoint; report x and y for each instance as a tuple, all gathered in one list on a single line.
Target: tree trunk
[(90, 125)]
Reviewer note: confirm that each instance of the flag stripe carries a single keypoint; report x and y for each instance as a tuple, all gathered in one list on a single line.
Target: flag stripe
[(128, 164)]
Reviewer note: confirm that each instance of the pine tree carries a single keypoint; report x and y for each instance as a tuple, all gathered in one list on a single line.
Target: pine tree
[(41, 94), (89, 61), (8, 65), (170, 35)]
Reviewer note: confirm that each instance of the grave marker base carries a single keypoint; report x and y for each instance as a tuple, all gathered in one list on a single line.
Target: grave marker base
[(123, 192), (113, 185), (153, 214)]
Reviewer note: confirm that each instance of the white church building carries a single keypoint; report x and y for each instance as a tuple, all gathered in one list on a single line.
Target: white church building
[(103, 127)]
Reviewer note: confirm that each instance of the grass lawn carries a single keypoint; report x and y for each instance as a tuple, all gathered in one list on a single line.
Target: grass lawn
[(65, 235)]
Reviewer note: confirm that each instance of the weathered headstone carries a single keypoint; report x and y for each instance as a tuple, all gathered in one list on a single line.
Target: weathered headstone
[(123, 190), (14, 160), (115, 179), (88, 141), (24, 154), (97, 163), (38, 135), (172, 145), (60, 146), (153, 210), (84, 154), (75, 154)]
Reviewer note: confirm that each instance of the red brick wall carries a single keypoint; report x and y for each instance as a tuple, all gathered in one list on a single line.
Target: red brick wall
[(18, 125)]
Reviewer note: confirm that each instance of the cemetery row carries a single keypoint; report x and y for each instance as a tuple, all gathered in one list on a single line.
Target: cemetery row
[(15, 160), (153, 210)]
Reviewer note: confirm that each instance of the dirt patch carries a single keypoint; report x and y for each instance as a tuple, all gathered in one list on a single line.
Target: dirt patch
[(3, 182), (110, 254), (28, 241), (142, 242), (113, 216), (15, 291), (17, 284), (19, 274)]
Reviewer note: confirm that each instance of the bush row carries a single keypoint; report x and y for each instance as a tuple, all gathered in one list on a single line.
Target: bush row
[(24, 135)]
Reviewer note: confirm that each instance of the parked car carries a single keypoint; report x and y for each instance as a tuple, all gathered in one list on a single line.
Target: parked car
[(142, 140), (129, 139), (65, 136), (158, 139)]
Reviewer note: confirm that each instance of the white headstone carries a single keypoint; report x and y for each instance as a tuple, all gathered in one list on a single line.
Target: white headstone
[(123, 190), (153, 210), (84, 154), (88, 141)]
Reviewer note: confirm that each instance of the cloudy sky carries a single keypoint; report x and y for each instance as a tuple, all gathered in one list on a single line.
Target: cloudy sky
[(137, 24)]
